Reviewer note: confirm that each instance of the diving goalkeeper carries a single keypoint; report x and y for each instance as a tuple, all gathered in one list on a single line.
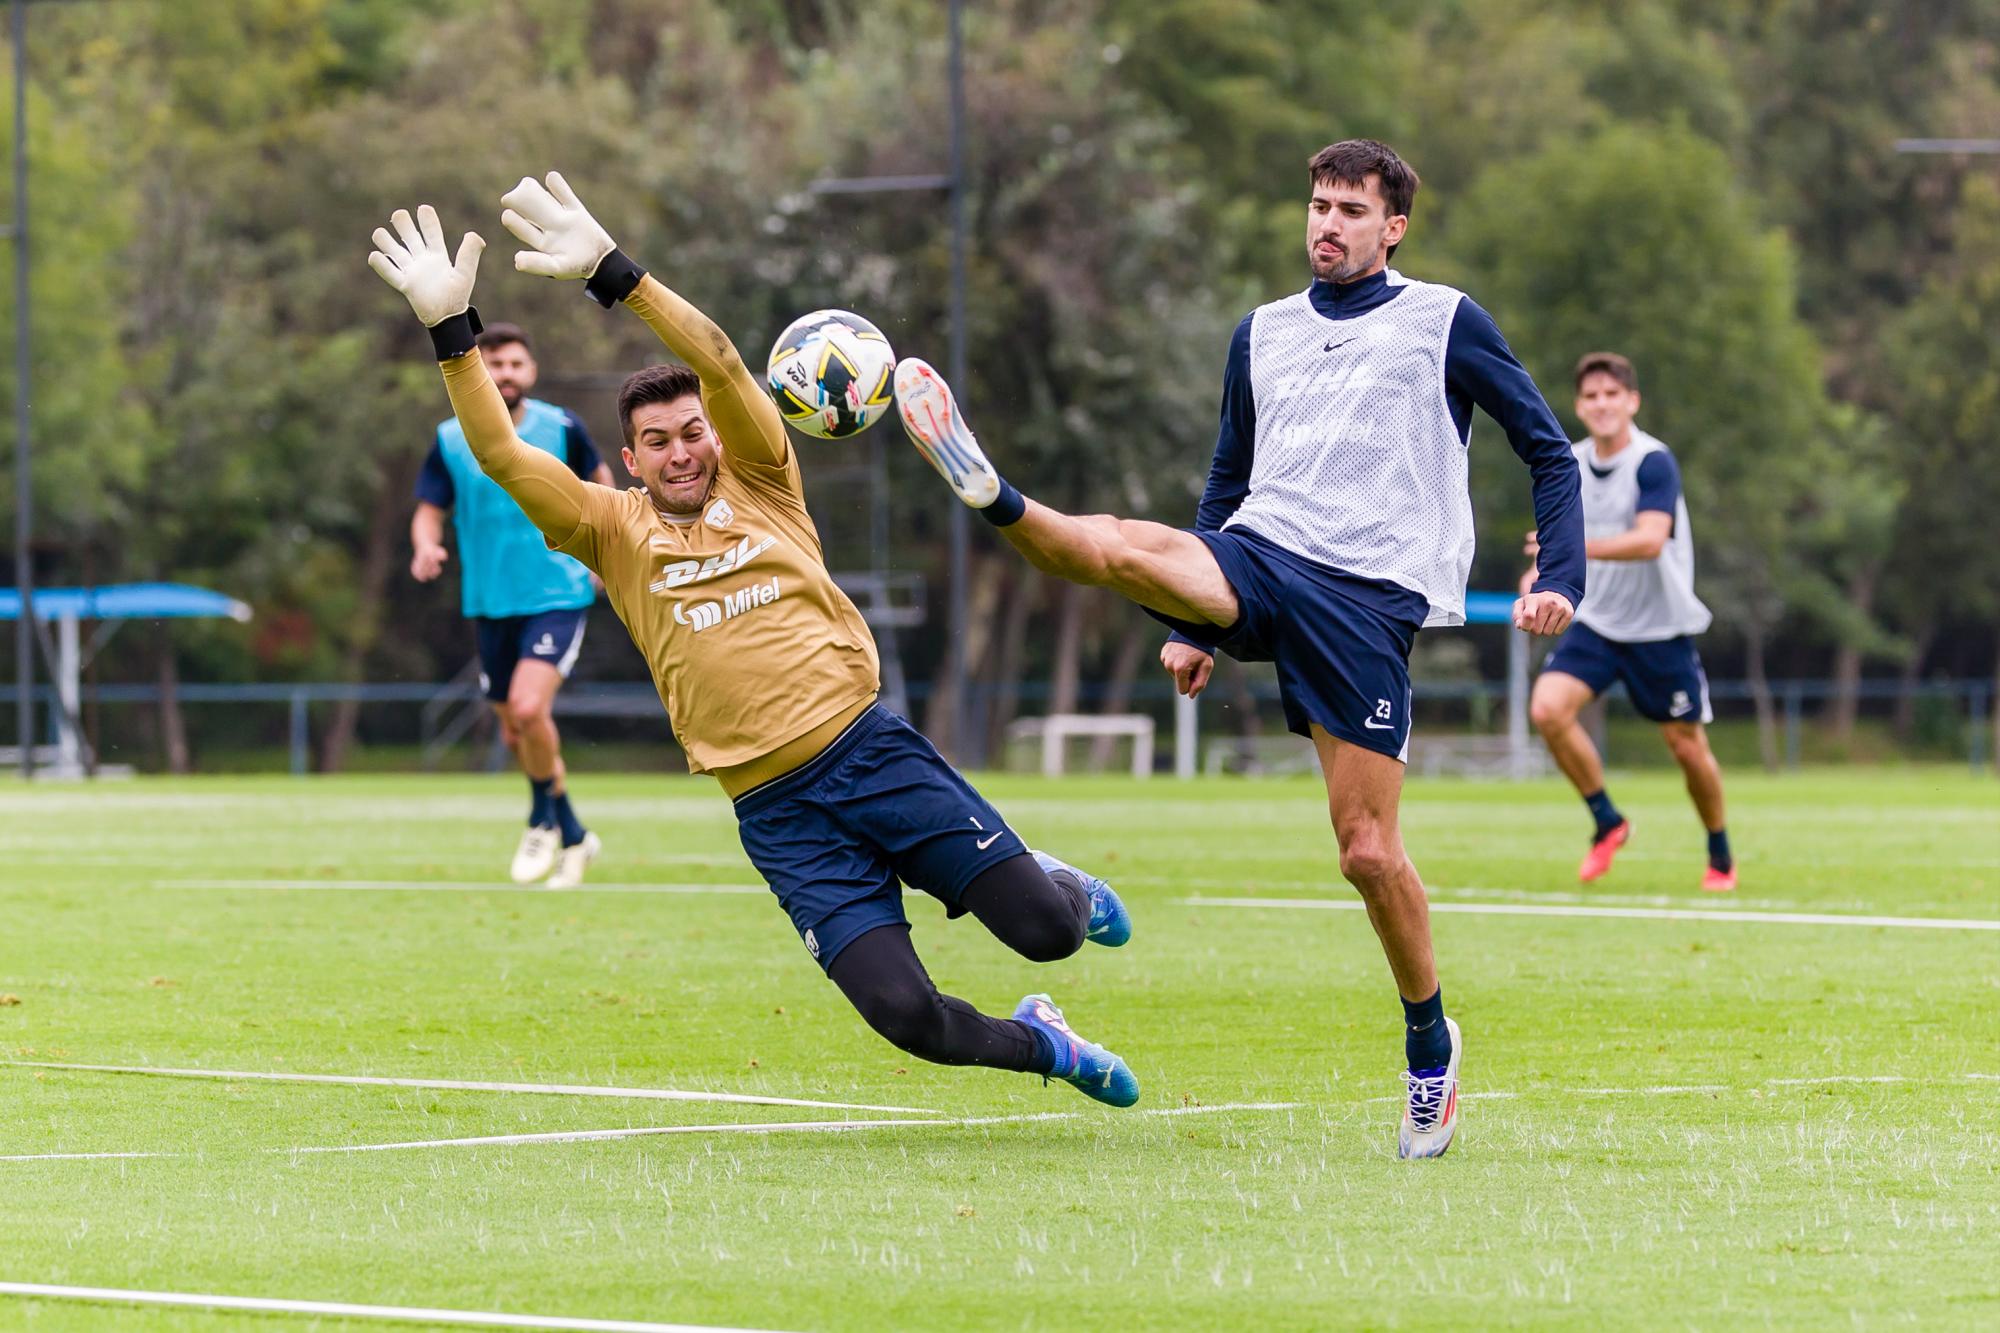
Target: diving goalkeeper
[(766, 669)]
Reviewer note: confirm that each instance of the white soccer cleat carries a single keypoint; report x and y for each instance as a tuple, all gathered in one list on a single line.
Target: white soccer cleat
[(931, 417), (536, 856), (573, 861), (1430, 1116)]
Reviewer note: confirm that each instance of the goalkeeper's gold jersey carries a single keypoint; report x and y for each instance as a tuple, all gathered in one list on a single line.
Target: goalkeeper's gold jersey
[(751, 644), (759, 657)]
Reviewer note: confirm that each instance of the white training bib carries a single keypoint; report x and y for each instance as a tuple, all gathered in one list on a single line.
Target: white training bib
[(1358, 463), (1635, 601)]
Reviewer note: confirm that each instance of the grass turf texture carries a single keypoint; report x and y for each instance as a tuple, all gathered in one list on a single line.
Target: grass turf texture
[(1755, 1200)]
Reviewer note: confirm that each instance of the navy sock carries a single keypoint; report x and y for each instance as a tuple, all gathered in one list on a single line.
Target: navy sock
[(542, 814), (566, 820), (1718, 850), (1425, 1040), (1605, 813), (1007, 509)]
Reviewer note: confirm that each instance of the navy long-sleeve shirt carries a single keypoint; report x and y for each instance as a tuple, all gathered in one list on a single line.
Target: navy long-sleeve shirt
[(1479, 370)]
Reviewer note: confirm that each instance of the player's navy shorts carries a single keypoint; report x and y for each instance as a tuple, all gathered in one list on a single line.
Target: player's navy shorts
[(877, 809), (555, 637), (1343, 662), (1664, 678)]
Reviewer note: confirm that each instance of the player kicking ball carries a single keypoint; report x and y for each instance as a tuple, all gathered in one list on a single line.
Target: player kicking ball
[(766, 668), (1639, 623), (1336, 524)]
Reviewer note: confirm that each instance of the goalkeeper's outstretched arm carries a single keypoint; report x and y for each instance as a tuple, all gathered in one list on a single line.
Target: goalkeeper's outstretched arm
[(416, 263), (566, 242)]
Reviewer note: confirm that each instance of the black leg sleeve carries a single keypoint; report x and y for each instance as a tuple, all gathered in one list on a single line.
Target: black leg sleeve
[(882, 977), (1040, 916)]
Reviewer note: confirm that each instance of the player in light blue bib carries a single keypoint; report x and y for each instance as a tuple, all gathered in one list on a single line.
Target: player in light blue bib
[(527, 604)]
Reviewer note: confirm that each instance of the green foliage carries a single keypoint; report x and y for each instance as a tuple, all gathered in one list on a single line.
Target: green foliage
[(1639, 241), (1706, 186)]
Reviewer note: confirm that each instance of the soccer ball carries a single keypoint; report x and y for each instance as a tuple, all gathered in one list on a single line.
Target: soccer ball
[(832, 374)]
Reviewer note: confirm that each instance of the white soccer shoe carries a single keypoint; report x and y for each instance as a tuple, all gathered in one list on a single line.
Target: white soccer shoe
[(1430, 1116), (573, 861), (932, 419), (536, 856)]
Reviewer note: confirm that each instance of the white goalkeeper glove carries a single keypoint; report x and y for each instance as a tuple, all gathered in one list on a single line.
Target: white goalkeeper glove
[(564, 241), (438, 287)]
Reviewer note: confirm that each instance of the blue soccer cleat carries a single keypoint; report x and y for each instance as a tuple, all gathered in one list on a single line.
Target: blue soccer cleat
[(1110, 923), (1092, 1070)]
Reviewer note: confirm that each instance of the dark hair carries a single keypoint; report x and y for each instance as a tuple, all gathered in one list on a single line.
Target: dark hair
[(1353, 161), (499, 335), (654, 384), (1607, 363)]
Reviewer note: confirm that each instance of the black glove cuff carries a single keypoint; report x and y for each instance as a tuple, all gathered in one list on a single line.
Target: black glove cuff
[(614, 280), (455, 335)]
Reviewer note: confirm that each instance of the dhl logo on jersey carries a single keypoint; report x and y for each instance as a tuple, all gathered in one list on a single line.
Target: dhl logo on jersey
[(683, 572)]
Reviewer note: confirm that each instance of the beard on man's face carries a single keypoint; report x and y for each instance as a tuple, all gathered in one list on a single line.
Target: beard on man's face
[(510, 393)]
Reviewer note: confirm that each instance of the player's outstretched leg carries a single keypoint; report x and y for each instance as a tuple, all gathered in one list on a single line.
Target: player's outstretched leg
[(1161, 568), (881, 976)]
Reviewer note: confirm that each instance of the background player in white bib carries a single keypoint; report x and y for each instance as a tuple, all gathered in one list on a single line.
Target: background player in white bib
[(1335, 525), (1639, 622)]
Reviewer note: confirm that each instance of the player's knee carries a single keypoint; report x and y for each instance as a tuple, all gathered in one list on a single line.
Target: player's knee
[(1369, 857), (1688, 745), (910, 1020), (1548, 714), (1046, 937), (526, 712)]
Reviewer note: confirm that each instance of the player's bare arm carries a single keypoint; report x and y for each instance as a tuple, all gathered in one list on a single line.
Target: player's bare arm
[(415, 261), (1646, 538), (565, 241), (428, 552)]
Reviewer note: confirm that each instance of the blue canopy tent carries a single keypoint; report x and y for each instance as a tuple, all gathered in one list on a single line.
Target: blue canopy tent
[(1481, 608), (110, 605)]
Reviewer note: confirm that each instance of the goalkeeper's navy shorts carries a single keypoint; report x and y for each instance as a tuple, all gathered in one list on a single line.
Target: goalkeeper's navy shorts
[(837, 838)]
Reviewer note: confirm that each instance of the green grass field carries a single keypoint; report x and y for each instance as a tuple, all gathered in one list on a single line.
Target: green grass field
[(1669, 1122)]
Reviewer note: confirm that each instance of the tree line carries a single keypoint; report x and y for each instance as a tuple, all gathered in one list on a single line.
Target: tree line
[(222, 396)]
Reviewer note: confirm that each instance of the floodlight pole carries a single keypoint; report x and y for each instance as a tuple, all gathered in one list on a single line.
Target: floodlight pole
[(957, 625), (24, 580)]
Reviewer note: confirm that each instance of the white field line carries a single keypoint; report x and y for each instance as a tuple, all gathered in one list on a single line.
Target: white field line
[(772, 1127), (654, 1131), (460, 1085), (449, 886), (1638, 913), (344, 1310)]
